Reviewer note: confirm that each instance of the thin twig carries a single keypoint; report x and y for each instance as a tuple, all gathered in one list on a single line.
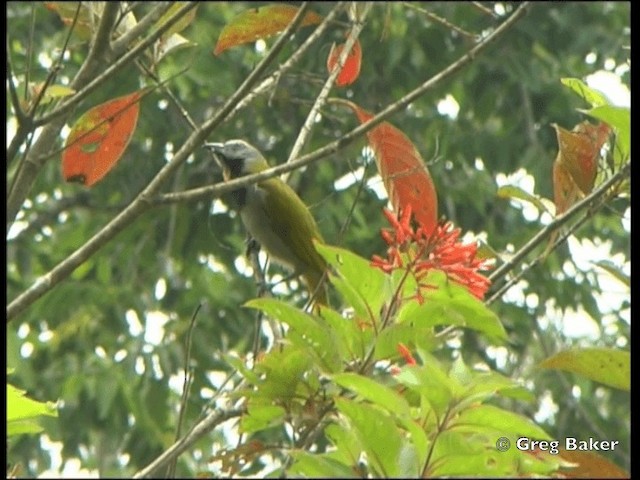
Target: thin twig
[(146, 199), (26, 122), (120, 45), (303, 135), (348, 138), (559, 241), (13, 94), (54, 120), (292, 60), (117, 66), (186, 387), (484, 9), (442, 21), (141, 203), (203, 427)]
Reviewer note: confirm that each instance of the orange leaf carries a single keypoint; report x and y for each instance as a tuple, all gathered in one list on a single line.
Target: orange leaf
[(99, 138), (403, 171), (576, 166), (590, 465), (262, 22), (565, 190), (351, 68)]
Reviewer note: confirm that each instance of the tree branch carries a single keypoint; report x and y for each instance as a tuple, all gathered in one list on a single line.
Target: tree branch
[(350, 137), (141, 203), (292, 60), (55, 120), (543, 234), (324, 92), (211, 421), (145, 200)]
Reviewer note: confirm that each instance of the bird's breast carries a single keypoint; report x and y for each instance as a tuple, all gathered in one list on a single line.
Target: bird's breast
[(256, 216)]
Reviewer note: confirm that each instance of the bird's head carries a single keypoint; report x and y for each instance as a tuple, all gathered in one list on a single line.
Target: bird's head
[(238, 157)]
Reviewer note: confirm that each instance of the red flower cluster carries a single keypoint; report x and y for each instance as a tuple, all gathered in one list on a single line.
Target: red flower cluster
[(418, 252)]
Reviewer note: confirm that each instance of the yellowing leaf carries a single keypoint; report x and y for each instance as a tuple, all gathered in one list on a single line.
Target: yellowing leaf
[(262, 22), (511, 191), (98, 139), (620, 119), (181, 24), (88, 16), (604, 365)]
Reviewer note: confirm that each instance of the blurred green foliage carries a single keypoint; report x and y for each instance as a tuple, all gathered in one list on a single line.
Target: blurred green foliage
[(87, 342)]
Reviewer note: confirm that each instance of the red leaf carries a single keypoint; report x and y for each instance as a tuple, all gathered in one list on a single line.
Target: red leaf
[(351, 68), (576, 166), (406, 354), (262, 22), (99, 138), (403, 171)]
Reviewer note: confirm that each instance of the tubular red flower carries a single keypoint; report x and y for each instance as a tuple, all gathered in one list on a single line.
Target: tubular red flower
[(413, 249)]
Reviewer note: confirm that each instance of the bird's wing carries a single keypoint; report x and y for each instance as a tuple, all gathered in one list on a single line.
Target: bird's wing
[(279, 198)]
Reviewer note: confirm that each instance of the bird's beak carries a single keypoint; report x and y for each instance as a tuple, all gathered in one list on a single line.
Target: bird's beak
[(216, 149)]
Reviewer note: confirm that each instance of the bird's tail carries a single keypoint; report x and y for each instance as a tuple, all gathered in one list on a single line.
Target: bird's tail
[(317, 284)]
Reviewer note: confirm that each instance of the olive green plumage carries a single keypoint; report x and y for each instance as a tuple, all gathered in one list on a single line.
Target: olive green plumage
[(274, 214)]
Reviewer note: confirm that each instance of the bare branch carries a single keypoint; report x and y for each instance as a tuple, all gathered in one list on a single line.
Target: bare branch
[(121, 44), (324, 93), (141, 203), (118, 65), (211, 421), (350, 137), (55, 120)]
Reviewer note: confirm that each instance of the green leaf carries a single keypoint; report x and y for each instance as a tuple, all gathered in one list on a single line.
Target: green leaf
[(23, 413), (345, 440), (588, 94), (373, 391), (488, 384), (419, 444), (378, 434), (413, 336), (364, 287), (260, 417), (307, 330), (283, 372), (351, 341), (451, 304), (240, 366), (307, 465), (618, 118), (498, 421), (511, 191), (433, 385), (604, 365)]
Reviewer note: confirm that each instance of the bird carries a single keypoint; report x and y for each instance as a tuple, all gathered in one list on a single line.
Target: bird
[(274, 215)]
